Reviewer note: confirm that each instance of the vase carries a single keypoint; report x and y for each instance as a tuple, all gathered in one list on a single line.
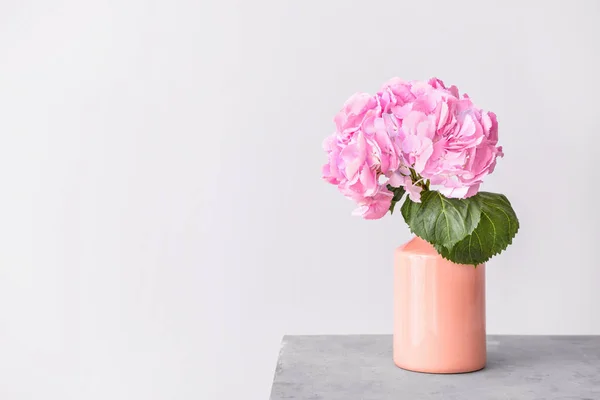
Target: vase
[(439, 312)]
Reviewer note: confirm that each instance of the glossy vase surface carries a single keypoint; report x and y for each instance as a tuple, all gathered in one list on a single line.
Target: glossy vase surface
[(439, 312)]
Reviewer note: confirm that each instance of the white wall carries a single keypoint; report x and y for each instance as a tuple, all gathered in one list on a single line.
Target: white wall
[(162, 218)]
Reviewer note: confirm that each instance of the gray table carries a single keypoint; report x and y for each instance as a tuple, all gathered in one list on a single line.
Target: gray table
[(353, 367)]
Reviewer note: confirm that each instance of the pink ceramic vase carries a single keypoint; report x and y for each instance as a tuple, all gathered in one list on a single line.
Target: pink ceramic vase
[(439, 312)]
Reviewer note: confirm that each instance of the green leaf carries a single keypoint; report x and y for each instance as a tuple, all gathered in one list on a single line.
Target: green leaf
[(398, 193), (440, 220), (494, 233)]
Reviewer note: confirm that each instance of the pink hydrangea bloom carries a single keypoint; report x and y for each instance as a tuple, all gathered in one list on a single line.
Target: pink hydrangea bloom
[(425, 126), (360, 152), (464, 144), (444, 137)]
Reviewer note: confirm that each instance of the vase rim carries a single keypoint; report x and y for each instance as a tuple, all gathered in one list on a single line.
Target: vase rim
[(417, 245)]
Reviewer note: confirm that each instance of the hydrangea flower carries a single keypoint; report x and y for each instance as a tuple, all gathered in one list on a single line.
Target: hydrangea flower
[(414, 133), (360, 151)]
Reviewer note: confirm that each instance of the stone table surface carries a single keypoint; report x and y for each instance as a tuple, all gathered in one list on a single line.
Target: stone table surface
[(353, 367)]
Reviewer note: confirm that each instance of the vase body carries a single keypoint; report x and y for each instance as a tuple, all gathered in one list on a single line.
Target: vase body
[(439, 312)]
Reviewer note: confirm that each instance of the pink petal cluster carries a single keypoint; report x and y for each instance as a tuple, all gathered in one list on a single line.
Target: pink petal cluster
[(425, 126), (359, 152)]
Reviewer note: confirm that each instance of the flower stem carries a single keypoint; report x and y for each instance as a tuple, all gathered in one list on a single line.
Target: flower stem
[(413, 175), (418, 180)]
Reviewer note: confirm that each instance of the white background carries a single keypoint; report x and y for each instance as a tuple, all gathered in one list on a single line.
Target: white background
[(163, 222)]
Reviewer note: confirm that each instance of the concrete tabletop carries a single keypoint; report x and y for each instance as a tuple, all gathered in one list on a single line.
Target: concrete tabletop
[(353, 367)]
